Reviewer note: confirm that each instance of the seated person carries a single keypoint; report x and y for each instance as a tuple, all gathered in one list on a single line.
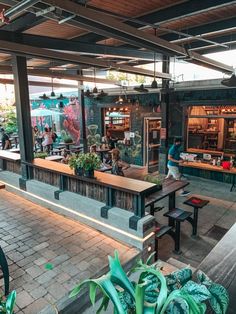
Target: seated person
[(109, 140), (118, 165), (6, 144), (66, 157), (93, 148)]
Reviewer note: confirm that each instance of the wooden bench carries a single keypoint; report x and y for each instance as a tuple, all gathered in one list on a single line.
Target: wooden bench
[(2, 185), (10, 161)]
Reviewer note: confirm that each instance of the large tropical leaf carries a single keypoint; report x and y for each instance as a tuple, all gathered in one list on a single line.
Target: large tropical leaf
[(219, 300), (179, 278), (106, 286), (178, 306), (177, 294), (118, 276), (199, 292), (104, 304), (203, 278), (10, 302), (162, 295)]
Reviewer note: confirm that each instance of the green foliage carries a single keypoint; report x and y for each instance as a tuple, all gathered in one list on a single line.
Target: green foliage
[(10, 123), (152, 179), (7, 304), (40, 155), (155, 293), (89, 161), (65, 137)]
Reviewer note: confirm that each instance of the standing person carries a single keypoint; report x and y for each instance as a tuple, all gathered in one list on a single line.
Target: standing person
[(47, 142), (6, 144), (174, 161), (118, 165)]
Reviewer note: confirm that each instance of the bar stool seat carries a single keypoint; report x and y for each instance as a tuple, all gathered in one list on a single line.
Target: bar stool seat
[(176, 216), (196, 203)]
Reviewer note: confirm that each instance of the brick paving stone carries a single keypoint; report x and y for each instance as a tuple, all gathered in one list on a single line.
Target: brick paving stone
[(36, 306), (33, 236), (34, 271), (38, 292), (23, 299)]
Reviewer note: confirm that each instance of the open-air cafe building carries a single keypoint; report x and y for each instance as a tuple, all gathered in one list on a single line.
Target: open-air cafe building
[(127, 78)]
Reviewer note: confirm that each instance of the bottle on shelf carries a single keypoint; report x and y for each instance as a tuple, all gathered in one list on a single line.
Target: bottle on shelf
[(231, 162), (218, 162)]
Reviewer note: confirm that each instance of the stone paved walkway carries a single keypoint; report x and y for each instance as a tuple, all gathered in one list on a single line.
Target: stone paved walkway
[(48, 254)]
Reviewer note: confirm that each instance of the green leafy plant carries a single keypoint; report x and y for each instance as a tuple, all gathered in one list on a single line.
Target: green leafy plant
[(10, 124), (7, 304), (76, 161), (155, 293), (40, 155), (89, 161), (152, 179), (65, 137)]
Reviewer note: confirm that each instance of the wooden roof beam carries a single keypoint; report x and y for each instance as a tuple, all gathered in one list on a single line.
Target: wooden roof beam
[(30, 51)]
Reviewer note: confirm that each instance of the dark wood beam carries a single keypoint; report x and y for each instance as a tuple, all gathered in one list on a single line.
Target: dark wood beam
[(23, 22), (36, 83), (23, 115), (77, 46), (181, 10), (59, 75), (99, 21), (66, 57)]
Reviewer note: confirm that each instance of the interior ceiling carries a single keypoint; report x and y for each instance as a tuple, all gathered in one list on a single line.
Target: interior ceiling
[(215, 19)]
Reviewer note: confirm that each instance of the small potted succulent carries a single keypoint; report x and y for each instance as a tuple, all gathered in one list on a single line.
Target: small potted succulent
[(90, 162)]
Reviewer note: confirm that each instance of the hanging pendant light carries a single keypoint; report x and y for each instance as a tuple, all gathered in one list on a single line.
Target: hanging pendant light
[(61, 97), (44, 97), (95, 90), (154, 82), (53, 95)]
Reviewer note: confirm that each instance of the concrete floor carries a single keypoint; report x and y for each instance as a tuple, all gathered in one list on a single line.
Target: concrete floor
[(49, 254), (214, 220)]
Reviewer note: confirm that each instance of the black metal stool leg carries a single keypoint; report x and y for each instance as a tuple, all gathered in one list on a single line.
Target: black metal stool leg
[(5, 270), (177, 238), (195, 221), (156, 250)]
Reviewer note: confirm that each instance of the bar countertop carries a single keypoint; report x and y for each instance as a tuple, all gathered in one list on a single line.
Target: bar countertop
[(105, 179), (206, 166)]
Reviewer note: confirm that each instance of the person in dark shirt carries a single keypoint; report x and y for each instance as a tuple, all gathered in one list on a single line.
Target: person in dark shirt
[(5, 140), (174, 161)]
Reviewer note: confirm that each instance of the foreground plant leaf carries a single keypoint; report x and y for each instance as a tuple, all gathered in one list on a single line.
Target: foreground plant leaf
[(203, 278), (178, 306), (199, 292), (219, 300), (118, 276), (10, 302), (178, 294), (179, 278), (106, 286)]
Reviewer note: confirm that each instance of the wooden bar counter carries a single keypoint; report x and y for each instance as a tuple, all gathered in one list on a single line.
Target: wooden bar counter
[(114, 191), (208, 171)]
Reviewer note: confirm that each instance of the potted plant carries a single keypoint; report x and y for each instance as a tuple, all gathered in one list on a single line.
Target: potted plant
[(90, 162), (76, 162), (41, 155), (154, 180), (154, 293)]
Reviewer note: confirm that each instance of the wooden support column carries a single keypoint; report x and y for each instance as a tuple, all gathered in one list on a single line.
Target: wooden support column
[(83, 119), (23, 115), (165, 100)]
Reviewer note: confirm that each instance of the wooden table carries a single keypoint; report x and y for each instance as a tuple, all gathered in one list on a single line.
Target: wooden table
[(170, 187), (103, 151), (220, 265), (67, 145), (54, 158), (14, 150), (208, 167)]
